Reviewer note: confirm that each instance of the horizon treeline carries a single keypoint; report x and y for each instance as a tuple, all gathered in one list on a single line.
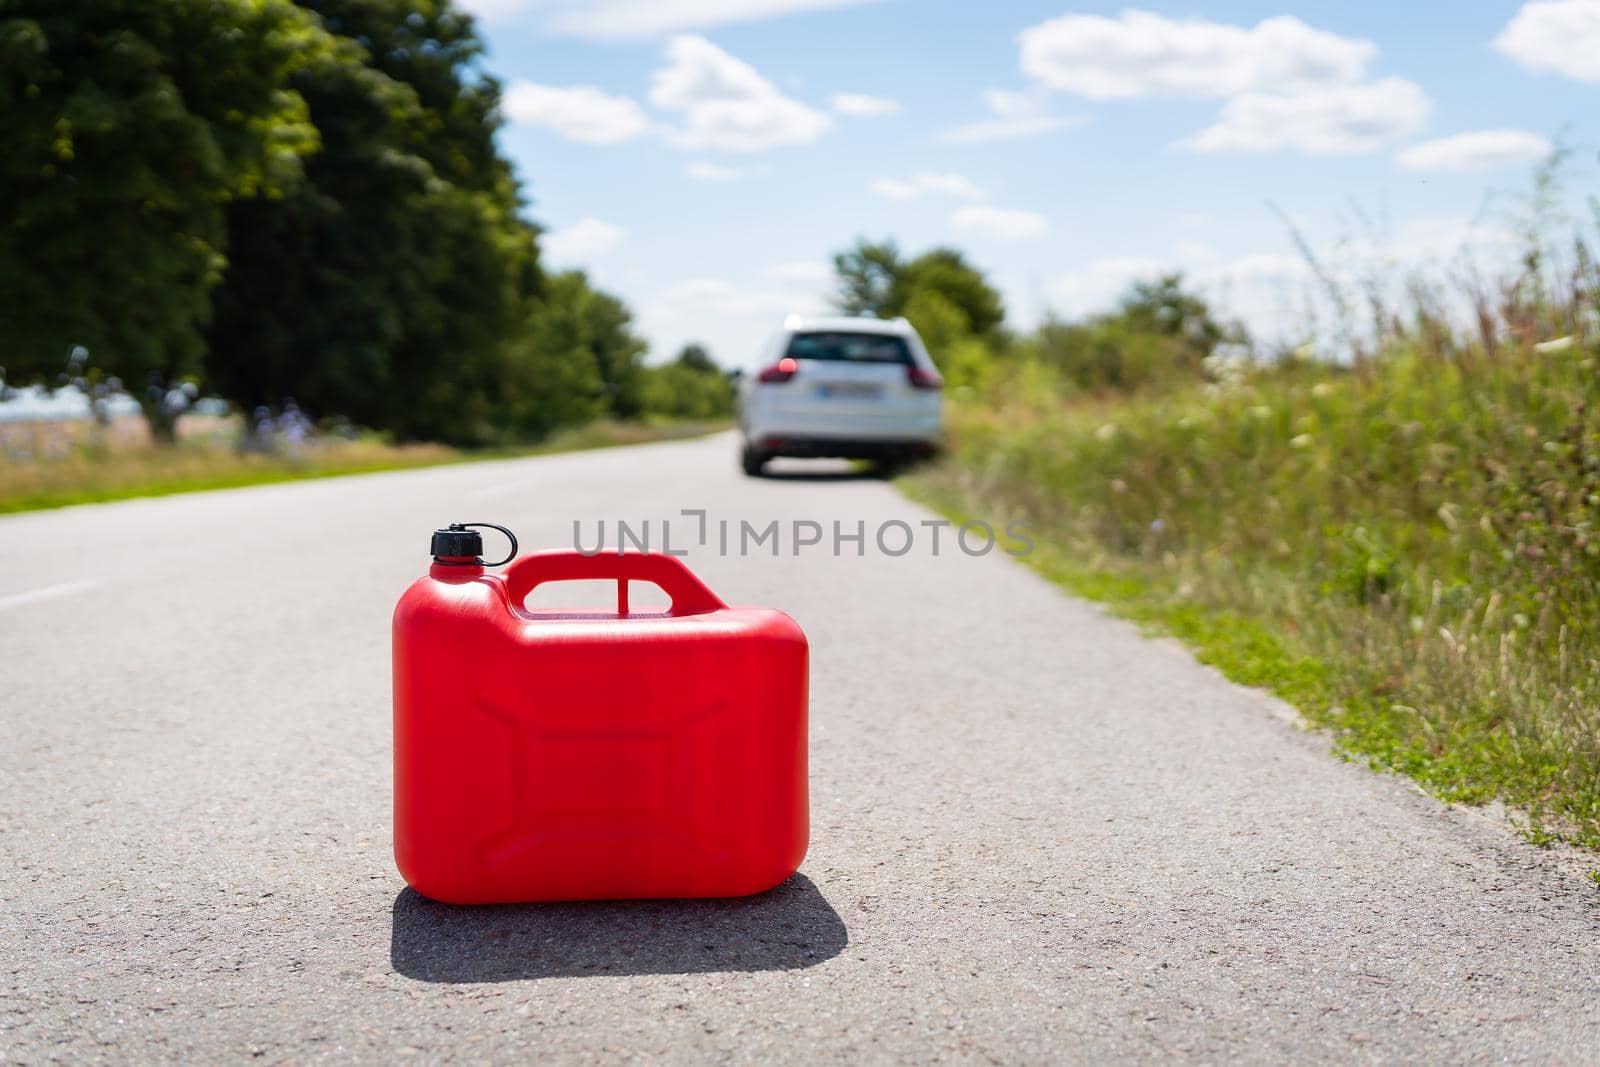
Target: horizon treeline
[(294, 203)]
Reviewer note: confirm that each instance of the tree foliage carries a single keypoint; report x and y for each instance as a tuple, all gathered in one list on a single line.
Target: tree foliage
[(946, 272), (868, 277), (576, 358), (1160, 333), (696, 357), (875, 279), (383, 287), (950, 302), (692, 386), (130, 124), (300, 206)]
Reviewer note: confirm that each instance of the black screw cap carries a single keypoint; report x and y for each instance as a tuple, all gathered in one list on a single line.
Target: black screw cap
[(457, 541)]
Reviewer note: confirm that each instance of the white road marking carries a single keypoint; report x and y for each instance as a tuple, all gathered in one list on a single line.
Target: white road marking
[(49, 592)]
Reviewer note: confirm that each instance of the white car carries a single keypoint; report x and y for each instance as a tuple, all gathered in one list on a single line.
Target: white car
[(842, 387)]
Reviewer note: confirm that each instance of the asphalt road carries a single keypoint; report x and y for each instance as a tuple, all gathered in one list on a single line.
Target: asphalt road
[(1036, 835)]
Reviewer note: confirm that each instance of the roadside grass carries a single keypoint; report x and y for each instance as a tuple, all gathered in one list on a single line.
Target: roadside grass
[(1406, 551), (64, 464)]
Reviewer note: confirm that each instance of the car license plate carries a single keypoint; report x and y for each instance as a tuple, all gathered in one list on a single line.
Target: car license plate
[(850, 390)]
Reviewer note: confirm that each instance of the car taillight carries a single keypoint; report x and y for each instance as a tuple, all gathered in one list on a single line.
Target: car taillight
[(922, 379), (780, 371)]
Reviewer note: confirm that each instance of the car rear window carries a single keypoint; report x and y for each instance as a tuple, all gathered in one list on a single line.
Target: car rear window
[(843, 347)]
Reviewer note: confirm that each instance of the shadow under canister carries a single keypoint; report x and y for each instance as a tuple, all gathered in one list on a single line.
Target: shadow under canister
[(786, 928)]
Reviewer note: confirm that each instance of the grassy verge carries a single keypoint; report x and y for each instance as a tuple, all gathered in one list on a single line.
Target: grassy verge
[(1409, 553), (52, 475)]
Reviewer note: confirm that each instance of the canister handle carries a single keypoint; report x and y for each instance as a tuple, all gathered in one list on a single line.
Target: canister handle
[(689, 595)]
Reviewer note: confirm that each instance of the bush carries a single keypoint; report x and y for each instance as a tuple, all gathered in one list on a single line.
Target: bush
[(1160, 334), (690, 387), (1425, 528)]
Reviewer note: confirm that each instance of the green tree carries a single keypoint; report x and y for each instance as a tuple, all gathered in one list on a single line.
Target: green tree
[(949, 302), (963, 357), (1160, 333), (1164, 307), (946, 272), (937, 321), (565, 361), (618, 352), (385, 285), (690, 387), (696, 357), (870, 279), (875, 279), (130, 124)]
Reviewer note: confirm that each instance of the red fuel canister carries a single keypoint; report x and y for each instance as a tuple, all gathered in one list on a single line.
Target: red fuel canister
[(559, 755)]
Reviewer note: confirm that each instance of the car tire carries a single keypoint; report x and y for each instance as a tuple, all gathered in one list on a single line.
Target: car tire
[(753, 460), (889, 467)]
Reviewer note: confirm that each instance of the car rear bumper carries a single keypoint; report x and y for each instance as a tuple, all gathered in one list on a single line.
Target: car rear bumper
[(767, 415), (845, 447)]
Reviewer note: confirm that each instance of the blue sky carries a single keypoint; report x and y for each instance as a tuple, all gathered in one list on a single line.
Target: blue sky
[(704, 158)]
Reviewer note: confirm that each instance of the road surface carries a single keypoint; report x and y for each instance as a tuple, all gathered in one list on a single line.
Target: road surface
[(1036, 835)]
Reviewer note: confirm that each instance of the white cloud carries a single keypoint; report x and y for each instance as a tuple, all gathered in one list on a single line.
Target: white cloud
[(1009, 104), (726, 105), (1097, 286), (699, 292), (1144, 54), (734, 319), (702, 171), (1261, 266), (584, 240), (1002, 224), (1009, 129), (1555, 36), (862, 106), (1340, 120), (895, 189), (578, 113), (1479, 150), (498, 10), (921, 184), (612, 19), (1286, 84), (722, 102), (1428, 242), (699, 72), (1016, 115), (802, 272), (949, 185)]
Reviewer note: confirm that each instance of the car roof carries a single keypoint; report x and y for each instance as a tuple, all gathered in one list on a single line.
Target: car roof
[(846, 324)]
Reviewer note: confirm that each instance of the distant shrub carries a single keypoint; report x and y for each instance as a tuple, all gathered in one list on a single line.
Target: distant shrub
[(1159, 334), (690, 387)]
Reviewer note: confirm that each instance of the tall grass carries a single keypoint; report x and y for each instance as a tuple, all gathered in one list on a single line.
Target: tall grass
[(1406, 545)]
